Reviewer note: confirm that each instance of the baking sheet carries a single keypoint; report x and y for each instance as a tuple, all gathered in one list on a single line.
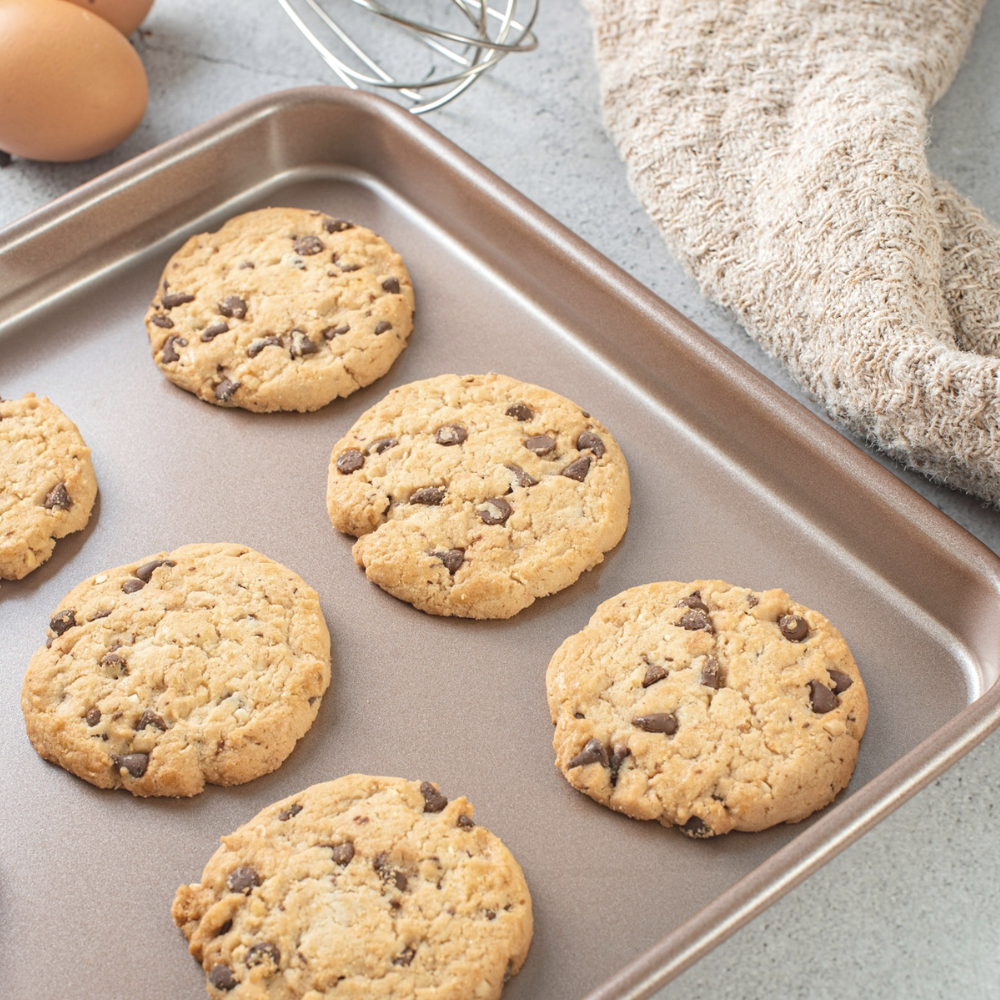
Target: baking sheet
[(730, 479)]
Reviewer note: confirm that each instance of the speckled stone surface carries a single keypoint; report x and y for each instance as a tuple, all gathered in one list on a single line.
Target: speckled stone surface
[(911, 910)]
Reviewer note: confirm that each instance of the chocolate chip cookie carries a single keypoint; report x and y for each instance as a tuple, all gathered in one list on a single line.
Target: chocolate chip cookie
[(203, 665), (708, 707), (281, 309), (359, 888), (47, 482), (473, 495)]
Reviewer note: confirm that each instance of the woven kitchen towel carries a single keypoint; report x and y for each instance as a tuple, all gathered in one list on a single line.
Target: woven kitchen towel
[(779, 145)]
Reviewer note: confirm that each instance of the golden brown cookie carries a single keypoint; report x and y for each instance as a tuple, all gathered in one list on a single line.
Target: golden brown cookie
[(47, 482), (473, 495), (707, 706), (359, 888), (203, 665), (281, 309)]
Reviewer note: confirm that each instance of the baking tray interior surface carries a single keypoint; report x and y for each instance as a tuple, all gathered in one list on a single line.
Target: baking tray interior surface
[(730, 479)]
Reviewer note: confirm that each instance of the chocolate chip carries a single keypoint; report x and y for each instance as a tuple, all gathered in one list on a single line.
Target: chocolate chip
[(615, 762), (132, 584), (163, 322), (434, 801), (466, 821), (658, 722), (225, 389), (150, 718), (753, 600), (578, 470), (452, 559), (793, 627), (145, 571), (382, 325), (287, 814), (58, 498), (134, 763), (841, 682), (350, 461), (172, 299), (388, 873), (451, 434), (523, 478), (405, 957), (654, 672), (258, 345), (694, 601), (233, 307), (213, 331), (170, 354), (346, 267), (115, 662), (497, 511), (593, 752), (429, 496), (696, 619), (101, 614), (335, 331), (337, 225), (381, 444), (821, 698), (711, 673), (302, 344), (262, 952), (243, 879), (342, 853), (696, 828), (62, 620), (222, 978), (520, 411), (93, 716), (589, 441), (540, 444), (391, 285), (306, 246)]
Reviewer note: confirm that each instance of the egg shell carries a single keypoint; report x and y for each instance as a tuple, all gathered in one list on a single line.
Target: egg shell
[(71, 85), (125, 15)]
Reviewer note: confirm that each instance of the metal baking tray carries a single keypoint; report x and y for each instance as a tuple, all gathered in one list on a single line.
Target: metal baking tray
[(730, 479)]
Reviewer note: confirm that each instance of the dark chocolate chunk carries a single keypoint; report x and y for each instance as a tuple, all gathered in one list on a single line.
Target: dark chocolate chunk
[(222, 978), (346, 267), (172, 299), (654, 672), (145, 571), (163, 322), (342, 853), (523, 478), (225, 390), (134, 763), (213, 331), (589, 441), (388, 873), (615, 762), (391, 285), (382, 325), (381, 444), (350, 461), (336, 331), (520, 411), (405, 957), (430, 496), (58, 498), (306, 246), (821, 698), (233, 307), (452, 559), (150, 718), (694, 601), (711, 673), (466, 821), (658, 722), (578, 470), (841, 682), (302, 344), (93, 716), (497, 511), (132, 584), (337, 225), (451, 434), (243, 879), (696, 619), (593, 752), (170, 354), (116, 663), (434, 801), (258, 345), (696, 828), (261, 952), (62, 620), (287, 814), (793, 627), (540, 444), (100, 614)]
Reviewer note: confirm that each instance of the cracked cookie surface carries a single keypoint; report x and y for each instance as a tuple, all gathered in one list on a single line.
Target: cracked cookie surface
[(200, 666), (358, 888), (707, 706), (280, 309), (47, 482), (474, 495)]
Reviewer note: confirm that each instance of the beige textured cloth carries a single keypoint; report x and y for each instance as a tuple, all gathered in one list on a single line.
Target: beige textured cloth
[(779, 145)]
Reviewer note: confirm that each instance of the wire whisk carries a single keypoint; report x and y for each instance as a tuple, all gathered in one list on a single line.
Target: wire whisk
[(441, 47)]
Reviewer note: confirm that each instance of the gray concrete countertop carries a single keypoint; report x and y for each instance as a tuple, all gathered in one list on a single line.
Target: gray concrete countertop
[(913, 908)]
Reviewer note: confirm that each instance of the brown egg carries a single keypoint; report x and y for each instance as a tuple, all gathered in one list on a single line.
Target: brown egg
[(71, 86), (125, 15)]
